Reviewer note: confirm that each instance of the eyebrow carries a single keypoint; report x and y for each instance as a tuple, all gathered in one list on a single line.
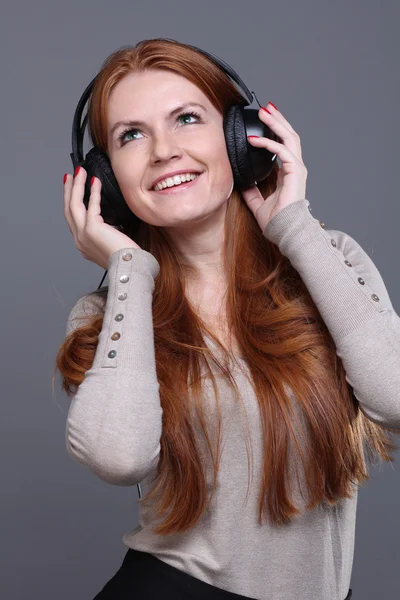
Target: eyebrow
[(142, 123)]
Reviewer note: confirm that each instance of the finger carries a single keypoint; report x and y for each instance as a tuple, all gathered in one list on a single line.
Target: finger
[(94, 209), (253, 198), (279, 116), (281, 150), (76, 206), (289, 137), (67, 196)]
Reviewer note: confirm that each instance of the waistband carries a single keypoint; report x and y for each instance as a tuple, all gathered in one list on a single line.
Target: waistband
[(164, 577)]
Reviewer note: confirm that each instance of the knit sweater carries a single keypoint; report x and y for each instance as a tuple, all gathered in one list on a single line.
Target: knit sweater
[(114, 421)]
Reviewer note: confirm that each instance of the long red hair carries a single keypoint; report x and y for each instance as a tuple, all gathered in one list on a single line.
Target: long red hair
[(282, 336)]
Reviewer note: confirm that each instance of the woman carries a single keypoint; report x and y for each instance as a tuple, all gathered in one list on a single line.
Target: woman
[(242, 289)]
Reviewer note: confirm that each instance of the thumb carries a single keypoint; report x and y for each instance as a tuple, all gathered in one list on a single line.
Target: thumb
[(253, 199)]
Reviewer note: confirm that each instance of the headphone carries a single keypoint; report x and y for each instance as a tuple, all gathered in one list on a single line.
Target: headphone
[(249, 164)]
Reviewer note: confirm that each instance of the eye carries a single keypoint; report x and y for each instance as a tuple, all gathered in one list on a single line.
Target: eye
[(124, 133), (121, 137), (189, 114)]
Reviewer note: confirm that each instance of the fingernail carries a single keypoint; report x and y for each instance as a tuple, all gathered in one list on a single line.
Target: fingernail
[(273, 105), (76, 171), (263, 107), (253, 136), (91, 181), (65, 177)]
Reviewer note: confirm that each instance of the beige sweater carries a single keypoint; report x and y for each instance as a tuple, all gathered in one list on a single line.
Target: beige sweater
[(114, 421)]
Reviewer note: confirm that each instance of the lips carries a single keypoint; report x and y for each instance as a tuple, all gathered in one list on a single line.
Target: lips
[(180, 172), (178, 188)]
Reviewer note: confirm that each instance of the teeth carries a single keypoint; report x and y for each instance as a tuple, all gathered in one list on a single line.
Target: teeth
[(175, 180)]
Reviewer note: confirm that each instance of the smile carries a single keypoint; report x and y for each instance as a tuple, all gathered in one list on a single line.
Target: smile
[(174, 189)]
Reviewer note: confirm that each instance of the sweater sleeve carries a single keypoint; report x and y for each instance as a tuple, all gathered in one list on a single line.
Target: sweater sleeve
[(351, 297), (114, 421)]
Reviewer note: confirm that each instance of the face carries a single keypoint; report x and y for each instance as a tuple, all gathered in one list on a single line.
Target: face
[(163, 143)]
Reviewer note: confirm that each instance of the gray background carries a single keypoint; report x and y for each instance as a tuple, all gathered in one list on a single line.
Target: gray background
[(332, 69)]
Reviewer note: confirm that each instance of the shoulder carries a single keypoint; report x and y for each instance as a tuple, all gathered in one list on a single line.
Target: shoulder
[(85, 307)]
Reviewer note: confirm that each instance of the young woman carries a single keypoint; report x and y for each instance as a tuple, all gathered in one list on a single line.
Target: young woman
[(232, 312)]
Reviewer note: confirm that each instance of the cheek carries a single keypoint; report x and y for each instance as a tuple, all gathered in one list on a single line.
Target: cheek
[(127, 177), (223, 170)]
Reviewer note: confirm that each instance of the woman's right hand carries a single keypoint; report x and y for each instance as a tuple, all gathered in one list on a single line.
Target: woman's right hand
[(95, 239)]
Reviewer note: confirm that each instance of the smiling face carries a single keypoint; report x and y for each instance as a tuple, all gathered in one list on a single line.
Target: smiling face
[(163, 143)]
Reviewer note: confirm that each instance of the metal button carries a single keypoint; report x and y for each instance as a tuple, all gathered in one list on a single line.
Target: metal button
[(119, 317), (333, 243), (322, 224), (127, 256), (116, 335), (124, 279), (112, 354), (346, 262), (122, 296), (375, 297), (361, 280)]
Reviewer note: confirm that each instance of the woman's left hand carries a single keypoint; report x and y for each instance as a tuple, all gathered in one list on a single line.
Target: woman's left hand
[(292, 176)]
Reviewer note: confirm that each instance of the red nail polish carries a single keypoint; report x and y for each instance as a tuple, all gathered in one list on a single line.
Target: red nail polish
[(271, 103), (91, 181), (256, 136), (76, 171), (65, 177), (263, 107)]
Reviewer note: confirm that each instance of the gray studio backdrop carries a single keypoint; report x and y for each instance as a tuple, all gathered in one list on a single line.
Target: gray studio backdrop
[(332, 69)]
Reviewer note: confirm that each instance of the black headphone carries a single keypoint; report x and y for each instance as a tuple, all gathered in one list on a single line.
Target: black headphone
[(249, 164)]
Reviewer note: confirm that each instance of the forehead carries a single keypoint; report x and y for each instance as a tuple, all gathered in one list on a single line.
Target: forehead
[(140, 94)]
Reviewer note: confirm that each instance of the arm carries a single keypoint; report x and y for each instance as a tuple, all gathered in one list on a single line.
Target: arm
[(351, 297), (114, 421)]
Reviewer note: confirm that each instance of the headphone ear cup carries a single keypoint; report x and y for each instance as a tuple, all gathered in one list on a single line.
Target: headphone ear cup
[(249, 163), (114, 209), (238, 147)]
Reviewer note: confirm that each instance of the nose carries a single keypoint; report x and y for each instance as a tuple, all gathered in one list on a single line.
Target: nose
[(164, 147)]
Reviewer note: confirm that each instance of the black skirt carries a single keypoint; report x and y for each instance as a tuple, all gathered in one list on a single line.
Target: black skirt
[(143, 573)]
